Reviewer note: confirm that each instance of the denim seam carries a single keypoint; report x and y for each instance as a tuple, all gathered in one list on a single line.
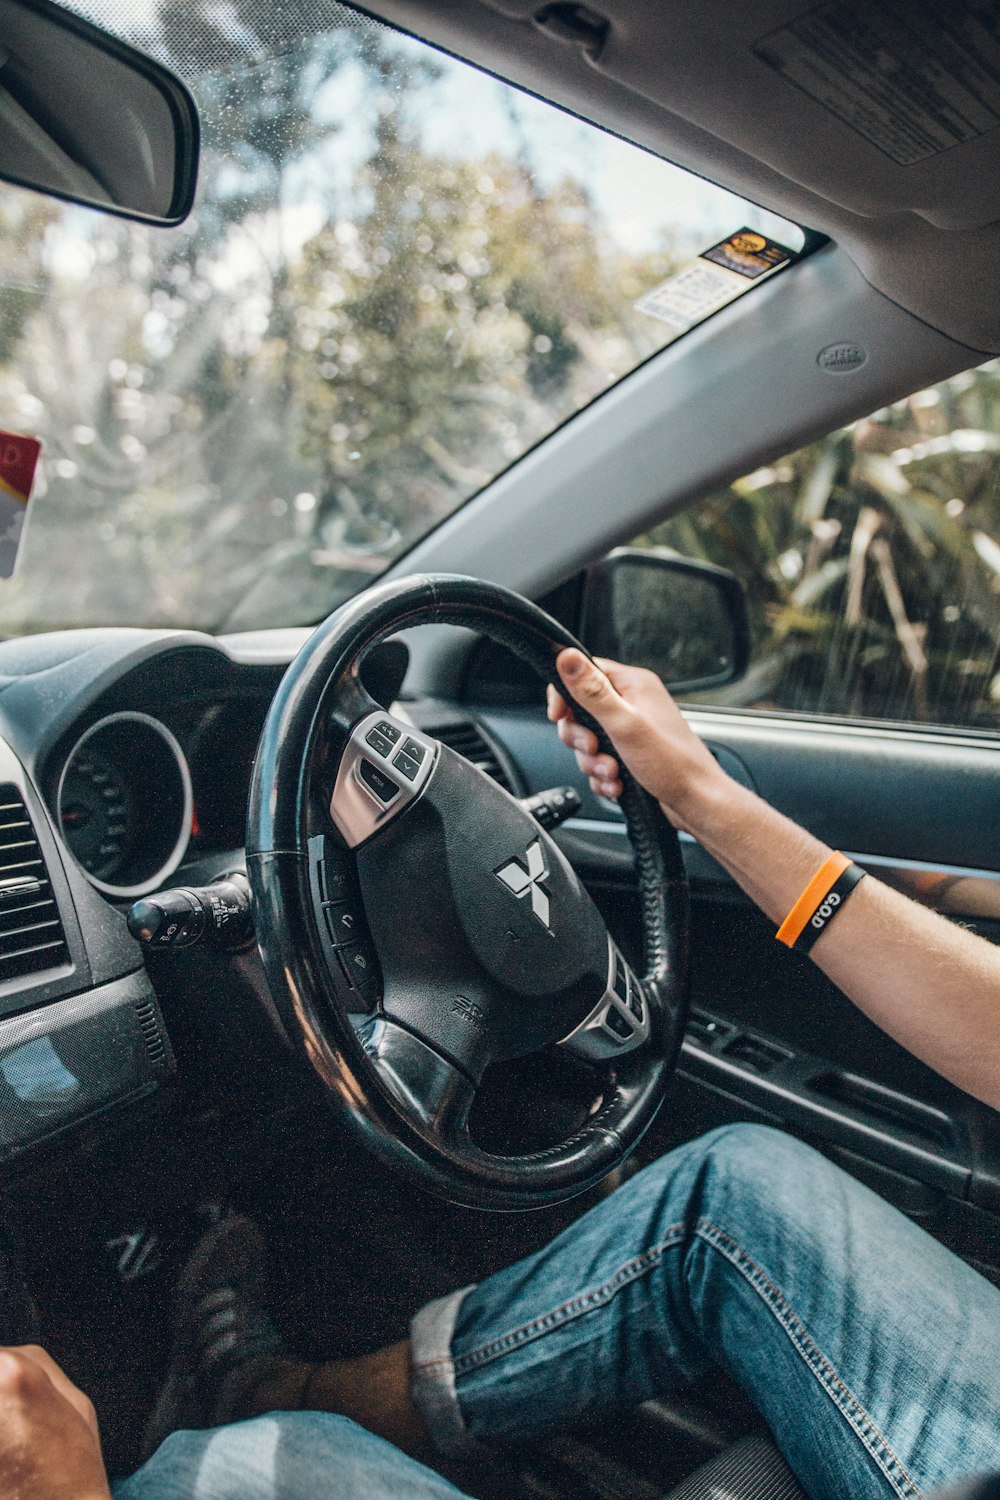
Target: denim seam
[(843, 1398), (432, 1379), (599, 1296)]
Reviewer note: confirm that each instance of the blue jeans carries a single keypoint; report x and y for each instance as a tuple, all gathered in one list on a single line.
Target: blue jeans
[(873, 1352)]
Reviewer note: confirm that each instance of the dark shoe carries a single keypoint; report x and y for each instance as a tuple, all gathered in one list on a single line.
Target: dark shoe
[(224, 1339)]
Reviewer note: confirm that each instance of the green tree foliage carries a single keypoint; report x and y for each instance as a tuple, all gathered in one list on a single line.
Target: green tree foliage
[(448, 330), (871, 563), (245, 420)]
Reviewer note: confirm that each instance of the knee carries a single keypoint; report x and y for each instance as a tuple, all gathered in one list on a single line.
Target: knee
[(756, 1152), (753, 1182), (738, 1168), (758, 1157)]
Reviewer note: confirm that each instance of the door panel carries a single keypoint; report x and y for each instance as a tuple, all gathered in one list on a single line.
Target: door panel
[(771, 1038)]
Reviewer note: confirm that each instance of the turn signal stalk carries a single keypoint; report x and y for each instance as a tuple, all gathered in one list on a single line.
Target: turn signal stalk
[(217, 915)]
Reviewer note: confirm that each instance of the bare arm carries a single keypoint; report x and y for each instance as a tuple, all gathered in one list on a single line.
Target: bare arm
[(930, 984)]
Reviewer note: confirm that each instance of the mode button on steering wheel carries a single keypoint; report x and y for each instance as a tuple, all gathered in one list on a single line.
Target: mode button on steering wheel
[(377, 781)]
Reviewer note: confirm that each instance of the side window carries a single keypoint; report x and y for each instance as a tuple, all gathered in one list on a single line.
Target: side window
[(872, 563)]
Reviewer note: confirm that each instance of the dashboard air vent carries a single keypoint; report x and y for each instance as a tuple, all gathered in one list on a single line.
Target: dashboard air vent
[(31, 933), (465, 738), (152, 1036)]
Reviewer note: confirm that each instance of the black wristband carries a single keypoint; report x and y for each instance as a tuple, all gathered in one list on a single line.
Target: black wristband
[(828, 908)]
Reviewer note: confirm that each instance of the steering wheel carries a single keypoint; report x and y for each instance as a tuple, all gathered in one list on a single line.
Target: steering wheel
[(416, 923)]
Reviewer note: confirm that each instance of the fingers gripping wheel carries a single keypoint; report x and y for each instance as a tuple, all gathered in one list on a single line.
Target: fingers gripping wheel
[(416, 924)]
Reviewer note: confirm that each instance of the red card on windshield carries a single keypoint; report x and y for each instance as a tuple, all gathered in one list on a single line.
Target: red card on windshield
[(18, 458)]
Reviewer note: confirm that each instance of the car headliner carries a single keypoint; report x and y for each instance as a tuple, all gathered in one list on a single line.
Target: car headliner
[(682, 77)]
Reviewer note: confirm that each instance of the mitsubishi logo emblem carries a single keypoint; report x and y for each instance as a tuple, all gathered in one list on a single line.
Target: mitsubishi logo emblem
[(523, 881)]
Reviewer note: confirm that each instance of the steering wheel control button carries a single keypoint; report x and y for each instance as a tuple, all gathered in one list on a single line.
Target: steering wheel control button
[(334, 879), (344, 923), (342, 927), (368, 994), (379, 742), (367, 793), (407, 767), (358, 963), (617, 1024), (375, 778)]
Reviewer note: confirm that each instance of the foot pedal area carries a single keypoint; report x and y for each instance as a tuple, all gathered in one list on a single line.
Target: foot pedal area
[(136, 1254), (142, 1250)]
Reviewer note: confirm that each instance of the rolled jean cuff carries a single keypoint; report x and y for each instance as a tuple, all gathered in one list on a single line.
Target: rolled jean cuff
[(432, 1376)]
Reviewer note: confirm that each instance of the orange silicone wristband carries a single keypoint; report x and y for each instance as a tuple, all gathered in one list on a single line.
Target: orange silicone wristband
[(822, 882)]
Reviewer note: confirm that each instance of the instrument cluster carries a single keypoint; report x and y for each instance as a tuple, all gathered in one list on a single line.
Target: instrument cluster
[(125, 803)]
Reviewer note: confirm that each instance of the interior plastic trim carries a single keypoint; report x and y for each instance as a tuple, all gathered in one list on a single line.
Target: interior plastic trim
[(843, 1108)]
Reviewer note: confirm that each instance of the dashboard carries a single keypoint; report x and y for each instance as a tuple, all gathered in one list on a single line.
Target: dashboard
[(155, 768), (124, 756), (125, 764)]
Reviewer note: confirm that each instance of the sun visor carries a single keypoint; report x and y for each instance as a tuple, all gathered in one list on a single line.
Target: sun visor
[(878, 106)]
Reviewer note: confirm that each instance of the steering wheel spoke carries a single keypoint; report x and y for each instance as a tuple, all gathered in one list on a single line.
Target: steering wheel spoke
[(620, 1021), (435, 1093)]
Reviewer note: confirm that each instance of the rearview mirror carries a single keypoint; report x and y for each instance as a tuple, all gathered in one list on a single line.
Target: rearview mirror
[(85, 117), (686, 621)]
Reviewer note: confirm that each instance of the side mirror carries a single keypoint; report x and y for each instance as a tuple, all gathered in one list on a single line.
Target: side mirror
[(687, 621), (85, 117)]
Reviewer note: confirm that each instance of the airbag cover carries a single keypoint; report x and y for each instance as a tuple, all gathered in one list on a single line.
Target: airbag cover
[(502, 948)]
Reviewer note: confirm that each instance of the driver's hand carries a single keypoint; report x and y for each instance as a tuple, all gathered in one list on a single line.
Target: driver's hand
[(50, 1448), (645, 726)]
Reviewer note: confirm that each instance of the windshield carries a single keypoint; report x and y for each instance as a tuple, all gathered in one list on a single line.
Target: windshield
[(400, 275)]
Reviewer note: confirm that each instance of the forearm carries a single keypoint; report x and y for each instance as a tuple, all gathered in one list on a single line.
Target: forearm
[(771, 857), (930, 984)]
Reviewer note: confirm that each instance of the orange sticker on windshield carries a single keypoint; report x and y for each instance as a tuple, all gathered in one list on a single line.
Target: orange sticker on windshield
[(748, 254), (18, 460), (717, 277)]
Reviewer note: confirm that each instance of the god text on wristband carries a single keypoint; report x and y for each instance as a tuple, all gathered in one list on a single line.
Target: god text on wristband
[(820, 902)]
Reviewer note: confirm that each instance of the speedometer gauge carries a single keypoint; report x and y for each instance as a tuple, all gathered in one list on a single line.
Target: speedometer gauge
[(95, 813), (124, 804)]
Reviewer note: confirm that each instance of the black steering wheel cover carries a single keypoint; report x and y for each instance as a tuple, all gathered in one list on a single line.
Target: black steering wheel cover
[(320, 695)]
